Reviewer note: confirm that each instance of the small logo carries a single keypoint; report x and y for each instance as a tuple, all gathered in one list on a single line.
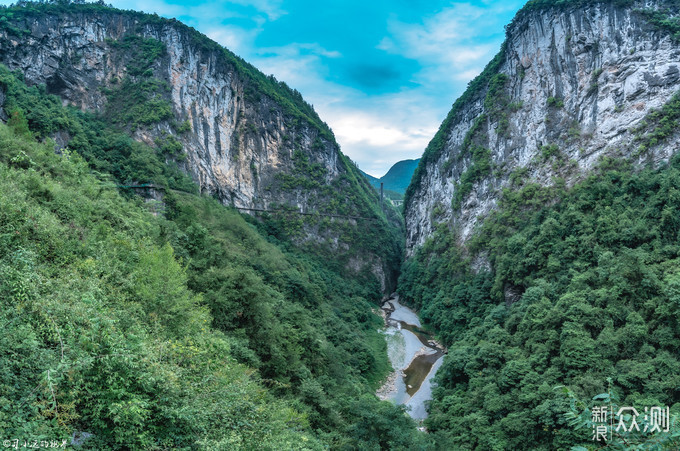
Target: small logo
[(655, 419)]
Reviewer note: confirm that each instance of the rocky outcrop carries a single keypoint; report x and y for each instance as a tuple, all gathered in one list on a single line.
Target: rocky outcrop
[(572, 84), (240, 138), (244, 137)]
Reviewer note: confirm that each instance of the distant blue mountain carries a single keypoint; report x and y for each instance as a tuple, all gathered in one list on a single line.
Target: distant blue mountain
[(397, 178)]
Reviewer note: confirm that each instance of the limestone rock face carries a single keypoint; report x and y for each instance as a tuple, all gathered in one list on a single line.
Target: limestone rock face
[(246, 138), (239, 139), (579, 81)]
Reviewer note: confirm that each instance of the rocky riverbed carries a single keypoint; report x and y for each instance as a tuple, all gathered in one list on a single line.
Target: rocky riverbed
[(414, 355)]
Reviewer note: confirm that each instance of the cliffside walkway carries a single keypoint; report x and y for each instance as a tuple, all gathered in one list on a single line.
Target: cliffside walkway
[(262, 210)]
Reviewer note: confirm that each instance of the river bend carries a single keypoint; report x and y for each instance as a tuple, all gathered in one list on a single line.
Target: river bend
[(415, 357)]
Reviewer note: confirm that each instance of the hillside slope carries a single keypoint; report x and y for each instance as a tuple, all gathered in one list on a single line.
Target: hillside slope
[(542, 229), (191, 329), (397, 178), (244, 138)]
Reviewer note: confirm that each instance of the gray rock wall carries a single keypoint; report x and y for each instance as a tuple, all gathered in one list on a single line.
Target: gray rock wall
[(236, 145), (244, 139), (607, 67)]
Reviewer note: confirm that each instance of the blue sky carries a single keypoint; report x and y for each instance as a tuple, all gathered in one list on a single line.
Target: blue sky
[(383, 74)]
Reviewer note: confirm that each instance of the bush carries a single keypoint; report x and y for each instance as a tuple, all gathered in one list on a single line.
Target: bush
[(580, 289)]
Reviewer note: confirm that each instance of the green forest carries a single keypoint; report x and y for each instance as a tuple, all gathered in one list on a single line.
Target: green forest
[(598, 270), (140, 313), (576, 304), (198, 328)]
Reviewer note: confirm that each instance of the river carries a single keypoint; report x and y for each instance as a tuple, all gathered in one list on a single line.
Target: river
[(415, 357)]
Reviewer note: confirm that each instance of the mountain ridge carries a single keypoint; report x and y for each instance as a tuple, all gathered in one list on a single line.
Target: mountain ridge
[(558, 88), (141, 309), (244, 138), (541, 231), (397, 178)]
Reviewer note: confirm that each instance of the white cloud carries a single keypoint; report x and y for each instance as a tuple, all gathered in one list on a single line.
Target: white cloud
[(362, 128), (452, 47), (235, 39), (318, 50), (446, 44), (272, 8), (376, 132), (468, 74), (298, 64), (296, 49)]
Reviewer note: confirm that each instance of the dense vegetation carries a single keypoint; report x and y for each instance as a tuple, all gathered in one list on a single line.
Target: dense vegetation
[(202, 328), (347, 207), (397, 178), (196, 329), (140, 99), (575, 304), (583, 287), (101, 333), (107, 149), (658, 125)]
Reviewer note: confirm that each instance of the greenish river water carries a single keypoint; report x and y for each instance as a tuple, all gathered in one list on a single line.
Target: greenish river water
[(415, 357)]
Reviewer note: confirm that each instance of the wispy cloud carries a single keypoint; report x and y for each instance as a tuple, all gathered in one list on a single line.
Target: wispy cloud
[(272, 8), (377, 131), (235, 39), (451, 45)]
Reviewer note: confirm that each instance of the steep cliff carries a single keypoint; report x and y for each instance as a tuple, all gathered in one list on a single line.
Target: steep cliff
[(543, 231), (122, 329), (243, 137), (572, 83), (243, 127)]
